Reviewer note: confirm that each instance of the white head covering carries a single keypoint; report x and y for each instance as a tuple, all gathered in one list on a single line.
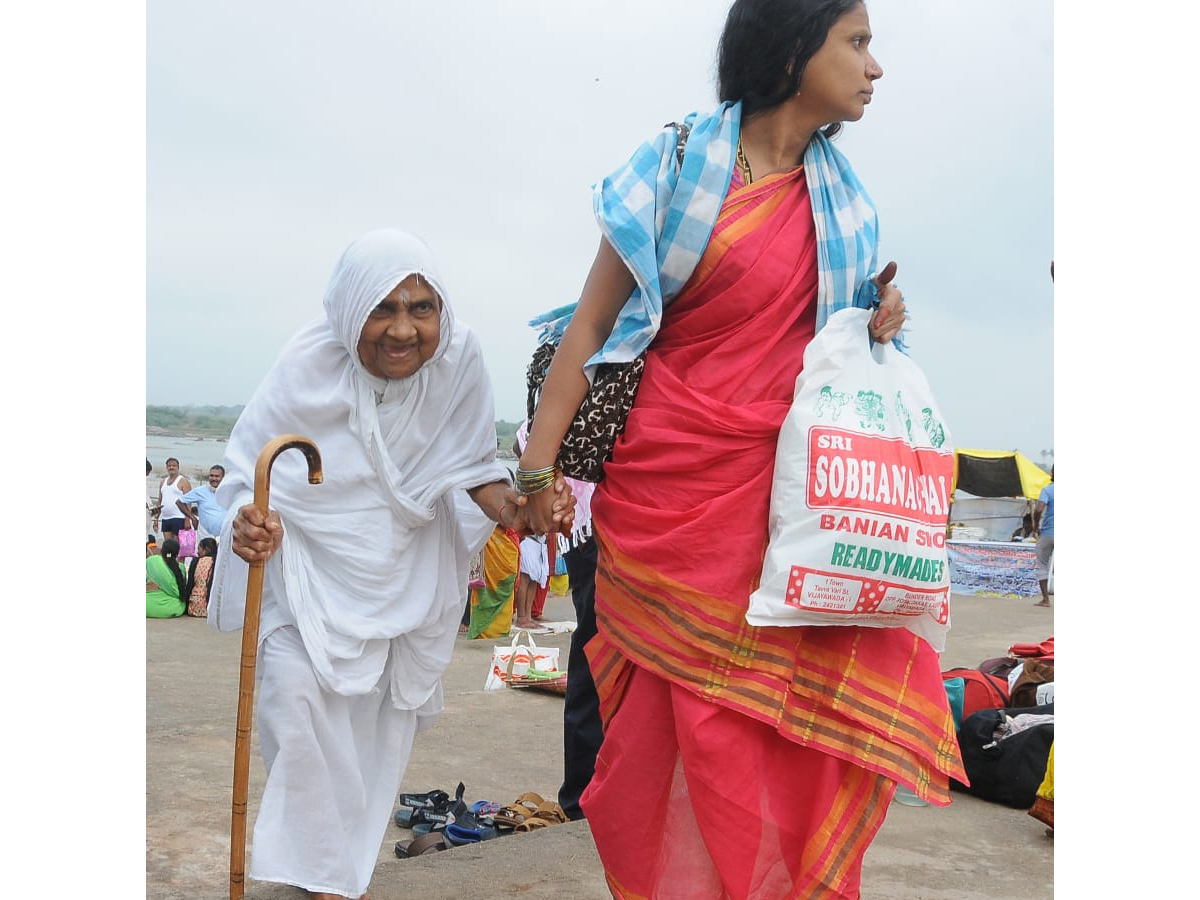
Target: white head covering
[(376, 557)]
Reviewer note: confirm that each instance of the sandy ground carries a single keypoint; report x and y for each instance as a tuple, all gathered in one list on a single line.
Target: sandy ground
[(503, 743)]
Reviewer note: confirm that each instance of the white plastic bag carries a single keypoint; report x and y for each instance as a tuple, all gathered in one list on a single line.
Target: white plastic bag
[(517, 659), (861, 493)]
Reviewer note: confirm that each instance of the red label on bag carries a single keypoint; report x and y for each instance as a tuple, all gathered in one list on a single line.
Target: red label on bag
[(887, 476), (830, 593)]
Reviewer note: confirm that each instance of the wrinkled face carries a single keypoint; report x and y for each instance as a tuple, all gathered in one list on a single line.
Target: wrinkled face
[(214, 478), (839, 78), (401, 333)]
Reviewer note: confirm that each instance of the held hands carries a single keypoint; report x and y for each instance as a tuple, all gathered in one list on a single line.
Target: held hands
[(546, 512), (887, 321), (256, 537)]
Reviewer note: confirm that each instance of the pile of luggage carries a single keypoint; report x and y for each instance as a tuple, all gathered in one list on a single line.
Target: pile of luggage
[(1004, 712)]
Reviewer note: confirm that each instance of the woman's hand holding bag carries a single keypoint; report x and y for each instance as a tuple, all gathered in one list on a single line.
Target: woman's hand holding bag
[(861, 493), (887, 322)]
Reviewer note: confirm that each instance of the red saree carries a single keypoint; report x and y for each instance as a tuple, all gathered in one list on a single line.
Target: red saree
[(793, 736)]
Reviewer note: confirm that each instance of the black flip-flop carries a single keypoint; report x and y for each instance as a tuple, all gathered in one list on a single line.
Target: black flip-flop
[(470, 829), (442, 814), (428, 800)]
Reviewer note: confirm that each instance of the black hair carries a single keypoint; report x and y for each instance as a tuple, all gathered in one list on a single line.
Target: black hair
[(170, 555), (217, 466), (149, 468), (209, 544), (765, 46)]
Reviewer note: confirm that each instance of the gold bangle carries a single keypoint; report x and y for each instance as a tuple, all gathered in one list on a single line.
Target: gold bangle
[(534, 481), (531, 489), (534, 473), (530, 475)]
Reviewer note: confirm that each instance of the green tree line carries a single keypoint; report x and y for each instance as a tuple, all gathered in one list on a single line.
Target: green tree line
[(210, 421), (218, 422)]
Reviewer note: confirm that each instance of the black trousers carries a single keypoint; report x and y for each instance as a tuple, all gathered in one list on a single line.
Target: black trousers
[(582, 731)]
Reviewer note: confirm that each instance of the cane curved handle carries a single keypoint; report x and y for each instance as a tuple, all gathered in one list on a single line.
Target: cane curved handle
[(266, 459), (254, 587)]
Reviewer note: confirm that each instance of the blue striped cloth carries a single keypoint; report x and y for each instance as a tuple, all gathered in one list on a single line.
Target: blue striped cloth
[(659, 216)]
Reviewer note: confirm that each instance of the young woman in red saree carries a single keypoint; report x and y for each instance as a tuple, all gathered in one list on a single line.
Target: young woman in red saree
[(739, 762)]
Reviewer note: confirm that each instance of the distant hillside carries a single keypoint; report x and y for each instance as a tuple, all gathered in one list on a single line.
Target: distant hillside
[(218, 421), (506, 436), (209, 421)]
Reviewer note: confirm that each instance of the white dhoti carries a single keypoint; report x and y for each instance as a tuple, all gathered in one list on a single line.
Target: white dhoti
[(534, 560), (334, 765)]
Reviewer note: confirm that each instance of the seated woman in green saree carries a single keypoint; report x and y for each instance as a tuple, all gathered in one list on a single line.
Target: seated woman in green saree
[(164, 583)]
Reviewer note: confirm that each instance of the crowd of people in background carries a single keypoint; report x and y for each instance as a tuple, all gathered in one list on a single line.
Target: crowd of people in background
[(179, 569)]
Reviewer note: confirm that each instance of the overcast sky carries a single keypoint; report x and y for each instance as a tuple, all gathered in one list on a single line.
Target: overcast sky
[(265, 136), (279, 131)]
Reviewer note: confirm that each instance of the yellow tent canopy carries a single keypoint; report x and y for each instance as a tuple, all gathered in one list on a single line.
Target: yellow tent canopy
[(998, 473)]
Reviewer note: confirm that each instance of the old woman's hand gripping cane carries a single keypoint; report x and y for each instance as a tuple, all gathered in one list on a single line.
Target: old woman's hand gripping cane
[(254, 587)]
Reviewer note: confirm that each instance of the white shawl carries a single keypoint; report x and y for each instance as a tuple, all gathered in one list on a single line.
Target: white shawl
[(376, 557)]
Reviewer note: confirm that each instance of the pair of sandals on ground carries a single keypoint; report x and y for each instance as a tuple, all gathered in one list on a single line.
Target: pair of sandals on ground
[(440, 822)]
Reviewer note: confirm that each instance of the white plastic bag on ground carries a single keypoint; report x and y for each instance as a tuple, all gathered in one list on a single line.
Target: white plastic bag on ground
[(517, 659), (861, 493)]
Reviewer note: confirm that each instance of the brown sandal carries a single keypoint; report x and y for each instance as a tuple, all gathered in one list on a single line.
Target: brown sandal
[(552, 813), (508, 818), (530, 801), (430, 842), (548, 813)]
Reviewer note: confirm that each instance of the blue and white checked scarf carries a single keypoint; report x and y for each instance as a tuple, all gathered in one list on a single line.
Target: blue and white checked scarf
[(659, 217)]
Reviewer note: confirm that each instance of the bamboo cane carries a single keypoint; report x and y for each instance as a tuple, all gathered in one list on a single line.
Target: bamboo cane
[(254, 587)]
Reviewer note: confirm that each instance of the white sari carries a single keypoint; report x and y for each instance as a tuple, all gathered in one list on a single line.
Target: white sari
[(372, 572)]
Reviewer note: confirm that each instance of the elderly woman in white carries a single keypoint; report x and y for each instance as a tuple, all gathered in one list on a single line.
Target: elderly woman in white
[(366, 572)]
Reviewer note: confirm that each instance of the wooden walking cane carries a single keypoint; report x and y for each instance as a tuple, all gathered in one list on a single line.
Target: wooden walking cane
[(254, 587)]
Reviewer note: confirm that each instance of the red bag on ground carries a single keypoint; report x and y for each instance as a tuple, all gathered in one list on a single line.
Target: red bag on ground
[(981, 691), (1044, 650)]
